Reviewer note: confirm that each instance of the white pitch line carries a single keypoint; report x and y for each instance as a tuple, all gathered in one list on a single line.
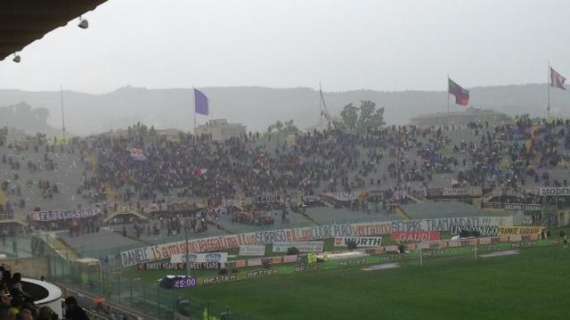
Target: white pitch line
[(500, 254), (384, 266)]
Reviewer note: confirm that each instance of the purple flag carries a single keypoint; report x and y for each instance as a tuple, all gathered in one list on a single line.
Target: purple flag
[(201, 102)]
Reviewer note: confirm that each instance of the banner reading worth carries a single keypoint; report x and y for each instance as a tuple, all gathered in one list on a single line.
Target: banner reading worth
[(486, 225), (361, 242)]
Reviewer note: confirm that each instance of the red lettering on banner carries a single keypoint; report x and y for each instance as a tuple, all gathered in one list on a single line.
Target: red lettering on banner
[(201, 245), (416, 236), (232, 243), (156, 253), (220, 243), (247, 239)]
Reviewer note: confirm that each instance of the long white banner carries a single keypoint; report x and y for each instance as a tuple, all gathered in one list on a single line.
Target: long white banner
[(57, 215), (487, 226), (217, 257), (302, 246), (252, 250)]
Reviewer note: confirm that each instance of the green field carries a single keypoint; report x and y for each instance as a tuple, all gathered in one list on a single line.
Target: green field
[(532, 285)]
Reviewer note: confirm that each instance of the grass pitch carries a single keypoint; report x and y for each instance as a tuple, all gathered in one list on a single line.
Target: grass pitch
[(532, 285)]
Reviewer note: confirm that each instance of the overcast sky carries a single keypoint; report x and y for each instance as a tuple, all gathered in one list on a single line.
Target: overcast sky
[(349, 44)]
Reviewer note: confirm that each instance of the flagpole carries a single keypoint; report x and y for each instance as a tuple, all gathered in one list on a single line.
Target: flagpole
[(62, 113), (194, 92), (548, 79), (447, 97), (320, 103)]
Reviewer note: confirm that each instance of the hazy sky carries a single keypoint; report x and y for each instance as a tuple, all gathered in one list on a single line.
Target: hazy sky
[(349, 44)]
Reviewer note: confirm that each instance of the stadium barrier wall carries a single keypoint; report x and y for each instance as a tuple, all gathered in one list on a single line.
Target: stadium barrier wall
[(486, 225)]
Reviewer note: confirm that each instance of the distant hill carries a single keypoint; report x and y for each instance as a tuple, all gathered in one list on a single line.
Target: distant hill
[(258, 107)]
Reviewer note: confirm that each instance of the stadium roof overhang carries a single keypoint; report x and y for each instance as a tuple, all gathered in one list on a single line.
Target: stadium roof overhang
[(25, 21)]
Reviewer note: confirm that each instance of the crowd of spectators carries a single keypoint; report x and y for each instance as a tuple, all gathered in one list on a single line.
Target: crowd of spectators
[(392, 158), (15, 165), (143, 166), (16, 304)]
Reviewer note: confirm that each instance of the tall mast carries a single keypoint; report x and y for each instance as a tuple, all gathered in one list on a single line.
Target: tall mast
[(548, 84), (447, 97), (62, 113), (323, 106)]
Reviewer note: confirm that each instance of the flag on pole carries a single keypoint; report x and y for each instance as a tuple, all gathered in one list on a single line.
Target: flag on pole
[(461, 94), (201, 102), (556, 79)]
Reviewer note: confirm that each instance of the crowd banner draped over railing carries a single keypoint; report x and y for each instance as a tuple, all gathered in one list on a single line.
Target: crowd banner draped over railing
[(471, 192), (340, 196), (514, 206), (60, 215), (485, 225), (523, 206), (554, 191)]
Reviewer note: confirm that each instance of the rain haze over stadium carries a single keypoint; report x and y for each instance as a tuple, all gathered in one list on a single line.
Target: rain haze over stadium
[(283, 160), (347, 45)]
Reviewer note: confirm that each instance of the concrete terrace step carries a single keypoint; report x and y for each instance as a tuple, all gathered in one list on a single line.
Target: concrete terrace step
[(60, 247), (306, 216), (400, 211), (416, 200)]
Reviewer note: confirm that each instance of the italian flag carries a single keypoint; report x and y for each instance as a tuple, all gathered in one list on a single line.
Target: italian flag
[(461, 95)]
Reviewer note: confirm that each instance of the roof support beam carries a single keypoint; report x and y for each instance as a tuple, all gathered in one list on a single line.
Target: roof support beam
[(24, 21)]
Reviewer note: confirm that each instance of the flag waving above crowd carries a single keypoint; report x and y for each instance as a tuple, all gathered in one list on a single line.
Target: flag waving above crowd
[(201, 102), (556, 79), (461, 95)]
